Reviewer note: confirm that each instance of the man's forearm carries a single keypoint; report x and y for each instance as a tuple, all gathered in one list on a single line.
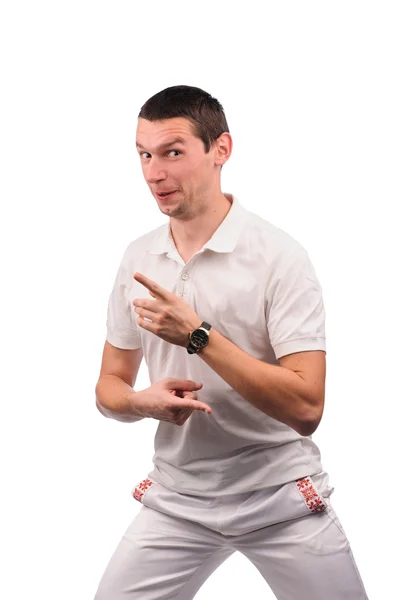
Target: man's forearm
[(276, 391), (114, 399)]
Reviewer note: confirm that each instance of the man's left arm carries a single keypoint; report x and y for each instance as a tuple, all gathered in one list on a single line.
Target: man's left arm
[(292, 393)]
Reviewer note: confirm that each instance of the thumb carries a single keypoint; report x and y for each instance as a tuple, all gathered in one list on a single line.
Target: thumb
[(183, 384)]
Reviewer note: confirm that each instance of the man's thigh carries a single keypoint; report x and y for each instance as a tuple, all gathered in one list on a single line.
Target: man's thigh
[(160, 556), (305, 559)]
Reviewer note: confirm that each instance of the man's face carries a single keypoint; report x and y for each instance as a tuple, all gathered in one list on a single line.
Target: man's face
[(183, 167)]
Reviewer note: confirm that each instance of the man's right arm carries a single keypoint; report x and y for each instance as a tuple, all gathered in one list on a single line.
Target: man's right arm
[(114, 389)]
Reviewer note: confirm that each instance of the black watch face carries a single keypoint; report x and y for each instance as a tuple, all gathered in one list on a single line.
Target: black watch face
[(199, 338)]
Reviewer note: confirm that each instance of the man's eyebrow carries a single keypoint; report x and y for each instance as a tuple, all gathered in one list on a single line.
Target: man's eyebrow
[(177, 140)]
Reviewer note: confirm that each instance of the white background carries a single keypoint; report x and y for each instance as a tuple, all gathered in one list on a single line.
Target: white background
[(307, 88)]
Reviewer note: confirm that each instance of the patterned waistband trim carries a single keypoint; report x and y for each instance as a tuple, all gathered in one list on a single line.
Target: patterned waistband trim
[(312, 499), (140, 490)]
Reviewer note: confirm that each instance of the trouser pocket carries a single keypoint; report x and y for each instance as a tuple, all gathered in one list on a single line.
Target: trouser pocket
[(192, 508), (270, 506)]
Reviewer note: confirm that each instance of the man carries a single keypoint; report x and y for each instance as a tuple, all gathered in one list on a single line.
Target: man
[(228, 313)]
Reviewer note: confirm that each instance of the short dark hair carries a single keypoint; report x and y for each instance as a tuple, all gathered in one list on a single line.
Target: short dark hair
[(205, 113)]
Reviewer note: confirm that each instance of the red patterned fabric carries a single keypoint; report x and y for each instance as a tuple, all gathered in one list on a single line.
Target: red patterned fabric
[(310, 495), (140, 489)]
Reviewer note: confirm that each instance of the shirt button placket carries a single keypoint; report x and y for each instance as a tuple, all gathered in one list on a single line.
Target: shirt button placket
[(184, 277)]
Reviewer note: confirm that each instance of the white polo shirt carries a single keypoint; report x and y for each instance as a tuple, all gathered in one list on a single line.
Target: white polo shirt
[(256, 285)]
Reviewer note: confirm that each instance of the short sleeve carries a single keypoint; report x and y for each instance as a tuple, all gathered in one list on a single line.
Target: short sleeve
[(294, 306), (121, 328)]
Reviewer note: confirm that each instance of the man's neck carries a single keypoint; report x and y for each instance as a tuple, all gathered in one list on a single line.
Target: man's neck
[(190, 236)]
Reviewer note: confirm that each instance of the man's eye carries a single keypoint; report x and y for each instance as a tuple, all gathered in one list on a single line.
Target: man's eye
[(178, 151)]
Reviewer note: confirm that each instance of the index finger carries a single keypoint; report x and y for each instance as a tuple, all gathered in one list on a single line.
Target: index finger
[(196, 405), (189, 403), (152, 286)]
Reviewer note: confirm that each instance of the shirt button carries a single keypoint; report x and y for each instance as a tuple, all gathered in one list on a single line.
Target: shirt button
[(185, 276)]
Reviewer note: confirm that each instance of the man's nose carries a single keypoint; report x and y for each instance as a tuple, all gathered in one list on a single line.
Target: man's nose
[(154, 173)]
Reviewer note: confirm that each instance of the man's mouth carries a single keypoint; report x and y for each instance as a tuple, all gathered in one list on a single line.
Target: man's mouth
[(164, 195)]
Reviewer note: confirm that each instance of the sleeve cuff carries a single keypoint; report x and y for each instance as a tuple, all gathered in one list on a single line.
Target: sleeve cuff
[(301, 345), (122, 342)]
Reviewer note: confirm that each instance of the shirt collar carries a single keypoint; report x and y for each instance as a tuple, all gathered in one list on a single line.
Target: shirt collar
[(224, 239)]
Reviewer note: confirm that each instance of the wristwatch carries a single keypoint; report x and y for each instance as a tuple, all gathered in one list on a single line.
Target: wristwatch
[(199, 338)]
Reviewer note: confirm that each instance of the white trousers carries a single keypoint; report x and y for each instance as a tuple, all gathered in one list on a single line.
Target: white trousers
[(290, 533)]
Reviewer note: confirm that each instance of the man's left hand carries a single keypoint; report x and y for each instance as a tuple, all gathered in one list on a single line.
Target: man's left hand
[(172, 318)]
